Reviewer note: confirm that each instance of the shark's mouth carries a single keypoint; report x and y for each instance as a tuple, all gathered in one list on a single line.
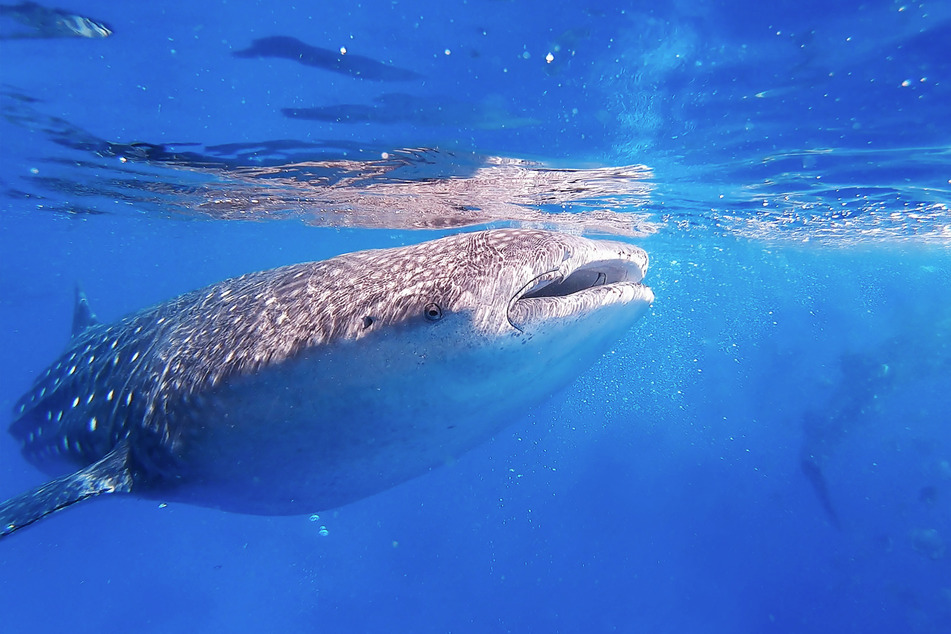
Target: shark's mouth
[(576, 289)]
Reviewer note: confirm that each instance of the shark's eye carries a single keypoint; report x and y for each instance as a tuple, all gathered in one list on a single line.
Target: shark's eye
[(433, 312)]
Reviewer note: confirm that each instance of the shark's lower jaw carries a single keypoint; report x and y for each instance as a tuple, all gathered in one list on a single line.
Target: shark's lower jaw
[(626, 299)]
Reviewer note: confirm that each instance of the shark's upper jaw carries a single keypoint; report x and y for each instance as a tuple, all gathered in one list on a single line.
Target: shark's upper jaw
[(600, 275)]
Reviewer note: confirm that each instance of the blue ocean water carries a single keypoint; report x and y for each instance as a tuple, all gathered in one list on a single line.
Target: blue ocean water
[(768, 450)]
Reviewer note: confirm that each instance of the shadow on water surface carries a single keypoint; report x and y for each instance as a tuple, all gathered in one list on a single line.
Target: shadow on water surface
[(340, 61)]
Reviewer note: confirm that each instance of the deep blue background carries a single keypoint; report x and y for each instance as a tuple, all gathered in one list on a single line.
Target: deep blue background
[(802, 195)]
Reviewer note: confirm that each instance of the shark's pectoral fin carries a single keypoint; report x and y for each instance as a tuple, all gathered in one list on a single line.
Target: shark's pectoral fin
[(110, 475)]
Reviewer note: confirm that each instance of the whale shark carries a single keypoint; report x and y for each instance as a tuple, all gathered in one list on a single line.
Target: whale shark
[(303, 388)]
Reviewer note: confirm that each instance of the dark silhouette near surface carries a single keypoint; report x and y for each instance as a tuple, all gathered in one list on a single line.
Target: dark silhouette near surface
[(291, 48), (813, 471)]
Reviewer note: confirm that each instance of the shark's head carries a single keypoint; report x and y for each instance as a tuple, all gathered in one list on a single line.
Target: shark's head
[(506, 284), (468, 313)]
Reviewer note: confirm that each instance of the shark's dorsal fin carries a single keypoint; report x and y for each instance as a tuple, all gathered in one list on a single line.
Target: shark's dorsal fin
[(110, 475), (83, 317)]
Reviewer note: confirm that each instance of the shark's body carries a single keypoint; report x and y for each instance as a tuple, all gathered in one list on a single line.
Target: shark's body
[(309, 386)]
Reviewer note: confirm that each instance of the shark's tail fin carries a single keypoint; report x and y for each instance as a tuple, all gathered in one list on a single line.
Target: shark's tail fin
[(111, 474)]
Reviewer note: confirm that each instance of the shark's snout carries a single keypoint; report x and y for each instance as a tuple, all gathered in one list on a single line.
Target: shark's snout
[(592, 276)]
